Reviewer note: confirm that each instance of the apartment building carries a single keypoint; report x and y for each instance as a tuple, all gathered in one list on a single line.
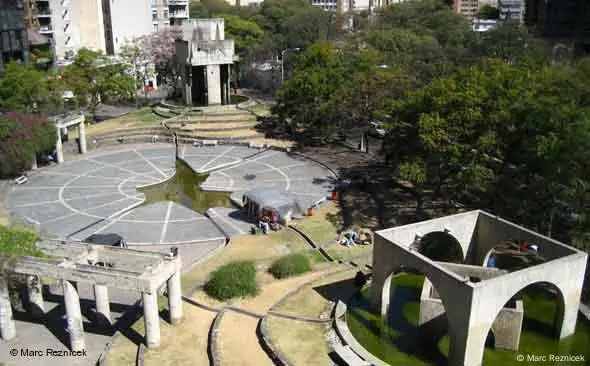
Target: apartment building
[(103, 25), (13, 34), (512, 10), (347, 5), (469, 8), (169, 12)]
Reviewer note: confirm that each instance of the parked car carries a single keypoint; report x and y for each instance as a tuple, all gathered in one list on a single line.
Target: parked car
[(376, 129)]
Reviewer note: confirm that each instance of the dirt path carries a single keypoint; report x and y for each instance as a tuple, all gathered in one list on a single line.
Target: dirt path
[(238, 343)]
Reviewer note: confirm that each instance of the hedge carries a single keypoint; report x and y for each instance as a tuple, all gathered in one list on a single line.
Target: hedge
[(290, 265), (232, 280)]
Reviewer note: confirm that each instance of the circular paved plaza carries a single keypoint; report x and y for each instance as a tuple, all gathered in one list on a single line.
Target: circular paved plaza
[(97, 193)]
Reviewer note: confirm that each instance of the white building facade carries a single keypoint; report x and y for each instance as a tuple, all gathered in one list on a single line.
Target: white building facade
[(168, 12), (101, 25)]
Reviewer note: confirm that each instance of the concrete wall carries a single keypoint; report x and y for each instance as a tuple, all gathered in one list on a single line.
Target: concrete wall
[(203, 29), (492, 231), (87, 24), (508, 326), (471, 308), (130, 19), (461, 226)]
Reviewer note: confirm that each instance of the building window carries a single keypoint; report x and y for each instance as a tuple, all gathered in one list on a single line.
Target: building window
[(165, 13), (155, 15)]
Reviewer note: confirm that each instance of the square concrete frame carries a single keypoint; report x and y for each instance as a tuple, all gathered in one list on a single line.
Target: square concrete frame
[(472, 307)]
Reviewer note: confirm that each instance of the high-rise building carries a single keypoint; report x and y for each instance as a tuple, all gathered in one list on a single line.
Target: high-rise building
[(103, 25), (168, 12), (512, 10), (13, 35)]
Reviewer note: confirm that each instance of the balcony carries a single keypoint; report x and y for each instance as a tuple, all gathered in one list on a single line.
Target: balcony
[(45, 29), (179, 14), (177, 2), (42, 13)]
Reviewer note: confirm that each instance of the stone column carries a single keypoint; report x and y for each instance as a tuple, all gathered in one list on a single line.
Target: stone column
[(151, 319), (34, 161), (59, 147), (82, 137), (174, 298), (228, 88), (7, 328), (74, 316), (213, 84), (103, 308), (35, 294)]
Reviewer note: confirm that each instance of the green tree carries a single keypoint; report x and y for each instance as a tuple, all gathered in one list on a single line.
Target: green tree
[(488, 12), (22, 135), (93, 79), (22, 88), (246, 34), (304, 97)]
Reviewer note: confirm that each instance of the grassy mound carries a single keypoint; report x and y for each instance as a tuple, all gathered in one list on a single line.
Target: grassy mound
[(232, 280), (290, 265)]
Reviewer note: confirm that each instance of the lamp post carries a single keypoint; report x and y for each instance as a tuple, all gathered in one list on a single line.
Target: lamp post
[(282, 61)]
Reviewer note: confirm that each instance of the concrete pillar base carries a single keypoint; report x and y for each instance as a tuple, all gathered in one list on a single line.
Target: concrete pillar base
[(174, 298), (82, 133), (73, 316), (103, 308), (7, 326), (35, 295), (151, 319)]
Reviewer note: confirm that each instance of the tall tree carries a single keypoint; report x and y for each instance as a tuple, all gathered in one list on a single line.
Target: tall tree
[(22, 88)]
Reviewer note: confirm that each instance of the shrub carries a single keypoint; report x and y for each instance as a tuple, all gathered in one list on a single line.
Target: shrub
[(232, 280), (290, 265)]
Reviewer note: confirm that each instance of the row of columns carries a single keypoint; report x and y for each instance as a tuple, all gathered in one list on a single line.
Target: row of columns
[(75, 325), (59, 143)]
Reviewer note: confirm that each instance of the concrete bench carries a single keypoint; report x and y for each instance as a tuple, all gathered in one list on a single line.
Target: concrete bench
[(209, 142), (347, 355), (254, 145), (21, 180)]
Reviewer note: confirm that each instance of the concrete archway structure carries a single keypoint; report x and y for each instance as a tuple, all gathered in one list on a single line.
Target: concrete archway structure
[(472, 307)]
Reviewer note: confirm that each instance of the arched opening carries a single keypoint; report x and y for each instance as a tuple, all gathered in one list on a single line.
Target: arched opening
[(412, 324), (513, 255), (490, 340), (441, 246), (531, 319)]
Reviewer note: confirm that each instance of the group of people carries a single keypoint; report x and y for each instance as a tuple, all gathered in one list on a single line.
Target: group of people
[(350, 239)]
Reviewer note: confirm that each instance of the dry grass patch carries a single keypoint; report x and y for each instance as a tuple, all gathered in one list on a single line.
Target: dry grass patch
[(122, 353), (183, 344), (309, 302), (302, 343), (273, 292), (319, 229), (246, 247), (340, 252), (238, 343), (138, 118)]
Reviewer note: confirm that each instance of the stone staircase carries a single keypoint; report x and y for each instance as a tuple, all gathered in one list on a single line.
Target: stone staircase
[(224, 124)]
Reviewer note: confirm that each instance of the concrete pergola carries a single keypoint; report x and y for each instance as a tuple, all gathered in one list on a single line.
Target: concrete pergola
[(62, 123), (471, 302), (104, 267)]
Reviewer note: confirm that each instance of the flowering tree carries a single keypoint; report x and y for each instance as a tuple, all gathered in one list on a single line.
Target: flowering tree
[(159, 48), (22, 135)]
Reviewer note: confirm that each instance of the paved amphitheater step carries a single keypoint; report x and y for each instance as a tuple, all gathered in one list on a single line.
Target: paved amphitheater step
[(347, 355)]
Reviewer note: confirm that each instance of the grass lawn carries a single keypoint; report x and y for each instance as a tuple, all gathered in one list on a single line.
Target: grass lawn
[(396, 343), (302, 343), (143, 117), (248, 247), (340, 252), (320, 230)]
